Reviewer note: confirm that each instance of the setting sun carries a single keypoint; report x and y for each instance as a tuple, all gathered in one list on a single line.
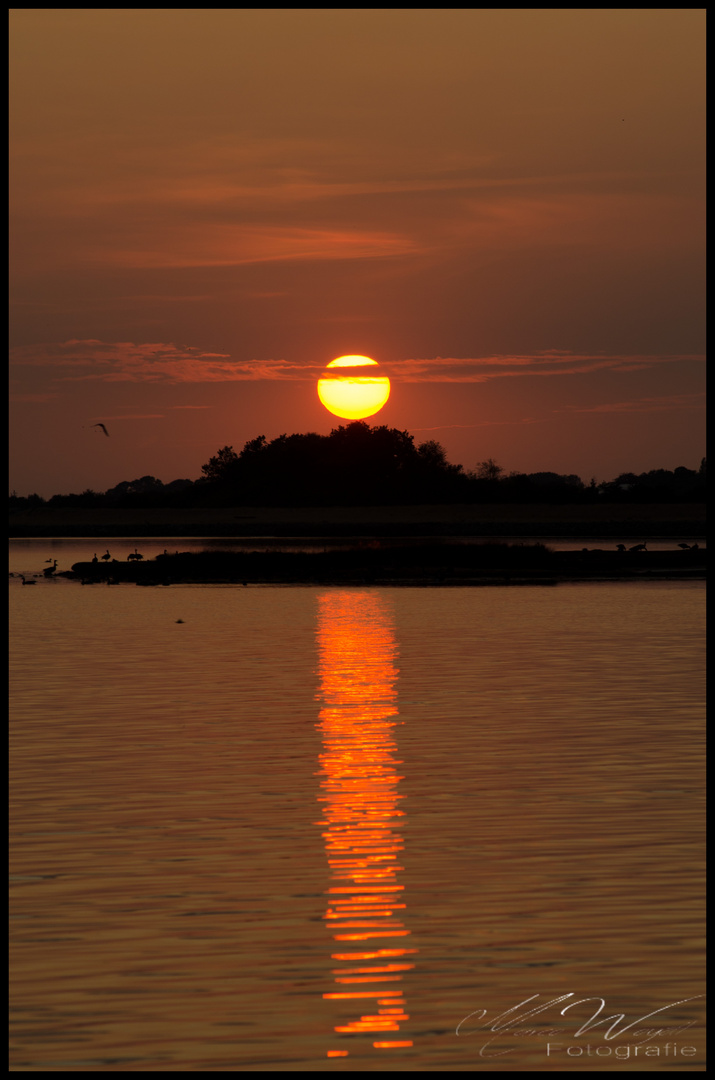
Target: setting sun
[(355, 395)]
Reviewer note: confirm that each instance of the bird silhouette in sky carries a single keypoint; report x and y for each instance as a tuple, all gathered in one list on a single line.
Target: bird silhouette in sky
[(102, 427)]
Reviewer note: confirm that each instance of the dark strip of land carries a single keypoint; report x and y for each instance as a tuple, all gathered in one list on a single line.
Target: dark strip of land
[(615, 521), (375, 563)]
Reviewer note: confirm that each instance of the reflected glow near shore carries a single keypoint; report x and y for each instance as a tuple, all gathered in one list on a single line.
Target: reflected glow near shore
[(359, 778)]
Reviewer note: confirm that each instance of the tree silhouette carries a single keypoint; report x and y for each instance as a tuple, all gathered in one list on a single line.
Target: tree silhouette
[(218, 468), (488, 470), (355, 464)]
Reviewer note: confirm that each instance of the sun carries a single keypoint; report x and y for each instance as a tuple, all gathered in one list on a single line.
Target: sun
[(355, 395)]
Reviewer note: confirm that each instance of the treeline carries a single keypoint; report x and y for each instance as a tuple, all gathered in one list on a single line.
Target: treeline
[(362, 465), (146, 491)]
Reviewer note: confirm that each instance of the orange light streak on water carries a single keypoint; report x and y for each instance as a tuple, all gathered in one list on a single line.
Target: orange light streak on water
[(364, 937), (378, 954), (359, 778), (361, 971)]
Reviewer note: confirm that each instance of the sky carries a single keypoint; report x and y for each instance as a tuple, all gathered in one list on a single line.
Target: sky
[(505, 208)]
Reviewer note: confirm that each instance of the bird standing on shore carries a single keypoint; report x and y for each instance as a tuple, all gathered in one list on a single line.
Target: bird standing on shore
[(49, 570), (107, 557)]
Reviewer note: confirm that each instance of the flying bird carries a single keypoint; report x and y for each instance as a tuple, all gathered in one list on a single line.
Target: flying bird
[(102, 427)]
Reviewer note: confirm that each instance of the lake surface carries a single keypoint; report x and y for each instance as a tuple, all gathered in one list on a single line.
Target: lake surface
[(355, 829)]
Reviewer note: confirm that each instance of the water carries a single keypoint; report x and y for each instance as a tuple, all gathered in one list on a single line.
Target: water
[(318, 828)]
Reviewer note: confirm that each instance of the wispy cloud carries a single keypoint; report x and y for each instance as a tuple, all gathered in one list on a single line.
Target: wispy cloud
[(666, 403), (485, 423), (215, 204), (132, 416), (167, 362), (554, 362), (242, 245), (32, 399), (125, 361)]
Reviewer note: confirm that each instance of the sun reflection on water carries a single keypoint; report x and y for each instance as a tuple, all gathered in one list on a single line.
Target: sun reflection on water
[(359, 778)]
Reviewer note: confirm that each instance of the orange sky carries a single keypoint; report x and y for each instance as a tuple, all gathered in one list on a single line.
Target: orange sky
[(505, 208)]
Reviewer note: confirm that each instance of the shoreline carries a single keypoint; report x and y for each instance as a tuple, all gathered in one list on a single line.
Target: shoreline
[(375, 564), (612, 520)]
